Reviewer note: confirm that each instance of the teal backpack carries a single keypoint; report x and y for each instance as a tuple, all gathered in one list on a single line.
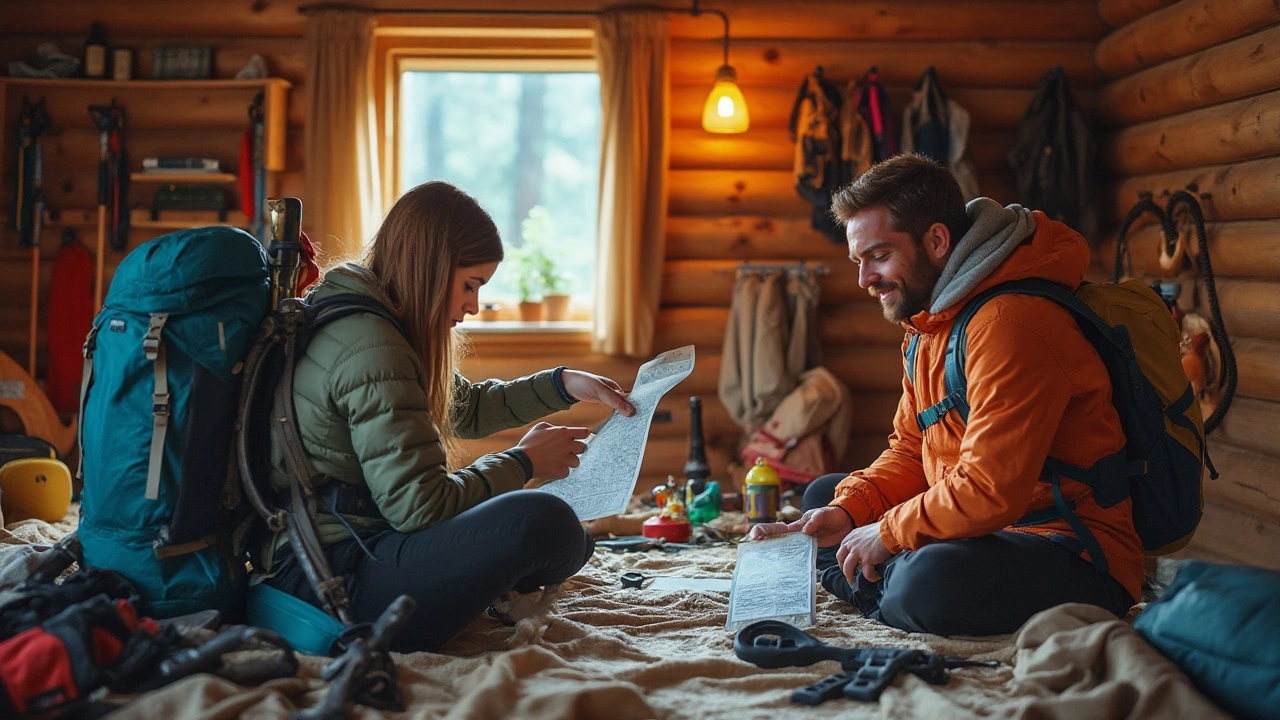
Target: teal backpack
[(161, 388)]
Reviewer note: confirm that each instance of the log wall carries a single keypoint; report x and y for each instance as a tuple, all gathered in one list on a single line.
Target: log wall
[(1193, 102), (731, 198)]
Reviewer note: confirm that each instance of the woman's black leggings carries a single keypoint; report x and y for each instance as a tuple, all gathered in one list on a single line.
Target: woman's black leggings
[(973, 586), (455, 569)]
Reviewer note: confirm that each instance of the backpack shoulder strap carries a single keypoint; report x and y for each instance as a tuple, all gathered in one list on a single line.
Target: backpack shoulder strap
[(336, 307), (1106, 339)]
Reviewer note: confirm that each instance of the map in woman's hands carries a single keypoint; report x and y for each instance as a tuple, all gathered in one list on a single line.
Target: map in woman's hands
[(603, 483)]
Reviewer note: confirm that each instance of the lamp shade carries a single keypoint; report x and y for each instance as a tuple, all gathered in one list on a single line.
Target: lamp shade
[(725, 110)]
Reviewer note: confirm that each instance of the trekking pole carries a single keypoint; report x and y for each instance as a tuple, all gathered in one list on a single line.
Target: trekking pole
[(285, 249), (102, 119), (29, 211)]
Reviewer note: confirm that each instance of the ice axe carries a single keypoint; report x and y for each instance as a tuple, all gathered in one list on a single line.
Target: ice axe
[(29, 214)]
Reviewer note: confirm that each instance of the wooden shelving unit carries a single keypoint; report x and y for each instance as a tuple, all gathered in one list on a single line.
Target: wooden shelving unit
[(183, 178)]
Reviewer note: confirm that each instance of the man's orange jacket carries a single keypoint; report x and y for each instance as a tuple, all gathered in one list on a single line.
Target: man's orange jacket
[(1036, 388)]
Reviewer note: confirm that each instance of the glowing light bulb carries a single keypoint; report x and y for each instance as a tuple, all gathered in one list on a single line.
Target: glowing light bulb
[(726, 109)]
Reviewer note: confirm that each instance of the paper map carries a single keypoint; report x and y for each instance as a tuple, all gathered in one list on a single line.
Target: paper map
[(774, 579), (603, 483)]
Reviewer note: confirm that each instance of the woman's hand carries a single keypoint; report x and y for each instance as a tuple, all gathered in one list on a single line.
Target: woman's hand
[(552, 449), (596, 389)]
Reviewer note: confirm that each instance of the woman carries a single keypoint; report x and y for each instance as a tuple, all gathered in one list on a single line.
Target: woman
[(379, 413)]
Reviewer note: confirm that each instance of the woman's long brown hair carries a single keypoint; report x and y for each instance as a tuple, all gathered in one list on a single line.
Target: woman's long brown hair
[(431, 231)]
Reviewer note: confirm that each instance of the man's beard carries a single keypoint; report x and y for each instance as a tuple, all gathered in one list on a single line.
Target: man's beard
[(913, 293)]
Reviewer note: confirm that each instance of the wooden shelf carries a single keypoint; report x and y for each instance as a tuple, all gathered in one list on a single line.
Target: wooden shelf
[(182, 224), (81, 83), (183, 178)]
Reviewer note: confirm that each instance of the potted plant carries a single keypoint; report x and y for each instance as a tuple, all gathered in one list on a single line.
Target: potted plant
[(527, 282), (542, 255)]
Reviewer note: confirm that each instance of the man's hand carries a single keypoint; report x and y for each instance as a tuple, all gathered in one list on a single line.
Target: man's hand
[(828, 524), (596, 389), (862, 547)]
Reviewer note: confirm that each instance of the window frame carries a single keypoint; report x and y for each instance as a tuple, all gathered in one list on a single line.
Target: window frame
[(475, 44)]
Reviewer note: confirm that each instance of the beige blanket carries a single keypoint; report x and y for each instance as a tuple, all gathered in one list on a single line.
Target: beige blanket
[(596, 650), (613, 653)]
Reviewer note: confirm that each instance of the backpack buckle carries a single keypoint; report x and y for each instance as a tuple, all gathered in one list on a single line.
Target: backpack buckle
[(160, 405)]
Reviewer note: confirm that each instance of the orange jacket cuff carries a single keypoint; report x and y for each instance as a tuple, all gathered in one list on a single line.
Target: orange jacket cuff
[(886, 536)]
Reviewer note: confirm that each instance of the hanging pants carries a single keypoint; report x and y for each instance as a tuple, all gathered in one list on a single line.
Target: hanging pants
[(986, 585)]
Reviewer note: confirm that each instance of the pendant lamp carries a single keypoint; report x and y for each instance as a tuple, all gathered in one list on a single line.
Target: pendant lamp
[(725, 110)]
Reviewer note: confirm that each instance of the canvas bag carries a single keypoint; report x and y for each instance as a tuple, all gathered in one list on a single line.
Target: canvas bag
[(808, 432)]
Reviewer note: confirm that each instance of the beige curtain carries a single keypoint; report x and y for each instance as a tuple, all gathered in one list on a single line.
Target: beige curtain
[(634, 88), (343, 205)]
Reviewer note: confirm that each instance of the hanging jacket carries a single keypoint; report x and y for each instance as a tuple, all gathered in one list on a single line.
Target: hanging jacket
[(1052, 157), (937, 127), (362, 414), (856, 152), (873, 104), (1036, 387), (803, 349), (815, 128)]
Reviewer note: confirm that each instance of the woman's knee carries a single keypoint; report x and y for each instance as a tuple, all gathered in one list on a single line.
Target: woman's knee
[(549, 518), (821, 491)]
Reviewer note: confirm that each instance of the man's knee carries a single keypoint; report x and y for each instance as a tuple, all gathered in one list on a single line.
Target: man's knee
[(821, 491)]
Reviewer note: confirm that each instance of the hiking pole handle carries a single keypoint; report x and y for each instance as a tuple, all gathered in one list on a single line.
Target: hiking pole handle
[(285, 248)]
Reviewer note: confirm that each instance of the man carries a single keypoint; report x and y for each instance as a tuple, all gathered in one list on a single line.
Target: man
[(951, 527)]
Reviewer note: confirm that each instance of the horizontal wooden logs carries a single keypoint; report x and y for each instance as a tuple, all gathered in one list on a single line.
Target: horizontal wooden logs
[(1227, 133), (1248, 481), (990, 108), (1257, 366), (1236, 69), (1242, 191), (772, 148), (1178, 30), (865, 369), (1227, 534), (881, 20), (765, 192), (1250, 309), (931, 20), (1249, 425), (146, 107), (1122, 12), (729, 192), (863, 450), (741, 237), (1248, 248), (710, 282), (999, 63), (847, 326)]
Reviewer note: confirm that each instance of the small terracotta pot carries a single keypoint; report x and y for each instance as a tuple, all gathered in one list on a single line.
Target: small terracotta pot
[(557, 306), (531, 311), (489, 313)]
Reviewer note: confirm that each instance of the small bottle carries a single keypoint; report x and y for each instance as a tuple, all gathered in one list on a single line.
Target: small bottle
[(95, 52), (763, 489), (696, 469)]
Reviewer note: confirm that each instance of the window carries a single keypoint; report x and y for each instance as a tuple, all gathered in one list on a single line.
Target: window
[(526, 145), (511, 117)]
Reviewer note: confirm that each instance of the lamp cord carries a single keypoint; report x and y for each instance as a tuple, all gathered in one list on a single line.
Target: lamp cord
[(696, 11)]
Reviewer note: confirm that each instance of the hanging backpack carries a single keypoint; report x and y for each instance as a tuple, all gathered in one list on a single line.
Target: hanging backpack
[(1162, 464), (1052, 157), (815, 128), (163, 366)]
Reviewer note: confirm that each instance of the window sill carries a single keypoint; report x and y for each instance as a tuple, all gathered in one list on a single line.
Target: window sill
[(504, 336), (517, 327)]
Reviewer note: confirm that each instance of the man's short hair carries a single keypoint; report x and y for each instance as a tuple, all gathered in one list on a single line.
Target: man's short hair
[(916, 191)]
